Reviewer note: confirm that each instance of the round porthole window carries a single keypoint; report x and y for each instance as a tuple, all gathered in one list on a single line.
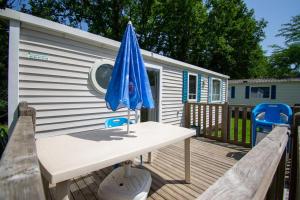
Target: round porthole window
[(100, 75)]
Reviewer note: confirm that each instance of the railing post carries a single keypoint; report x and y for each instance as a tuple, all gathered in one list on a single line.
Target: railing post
[(20, 175), (24, 110), (187, 121), (224, 121), (294, 192)]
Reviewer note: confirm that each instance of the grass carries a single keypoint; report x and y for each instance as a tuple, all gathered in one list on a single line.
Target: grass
[(240, 130), (240, 124)]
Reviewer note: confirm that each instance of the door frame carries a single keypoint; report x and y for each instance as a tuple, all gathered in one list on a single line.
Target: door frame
[(157, 69)]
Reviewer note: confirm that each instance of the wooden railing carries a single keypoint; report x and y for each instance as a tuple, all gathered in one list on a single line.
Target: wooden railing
[(221, 121), (239, 125), (258, 175), (20, 176), (294, 192), (208, 119)]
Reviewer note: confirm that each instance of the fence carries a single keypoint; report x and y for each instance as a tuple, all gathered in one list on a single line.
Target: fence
[(258, 175), (223, 122), (207, 118), (20, 176), (294, 192), (232, 124)]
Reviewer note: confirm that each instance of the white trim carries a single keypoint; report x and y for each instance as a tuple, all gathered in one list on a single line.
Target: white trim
[(81, 35), (211, 91), (226, 91), (92, 74), (188, 87), (13, 72), (160, 74)]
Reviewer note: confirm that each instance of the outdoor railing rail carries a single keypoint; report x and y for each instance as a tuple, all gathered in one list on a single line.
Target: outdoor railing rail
[(258, 175), (208, 118), (239, 125), (221, 121), (294, 192), (20, 176)]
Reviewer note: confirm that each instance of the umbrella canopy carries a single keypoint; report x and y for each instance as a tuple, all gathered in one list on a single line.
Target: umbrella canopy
[(129, 85)]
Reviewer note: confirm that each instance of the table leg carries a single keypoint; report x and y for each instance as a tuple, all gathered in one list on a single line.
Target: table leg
[(149, 157), (62, 190), (187, 159), (46, 187)]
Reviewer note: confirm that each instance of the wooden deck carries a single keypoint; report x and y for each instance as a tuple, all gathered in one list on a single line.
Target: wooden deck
[(209, 161)]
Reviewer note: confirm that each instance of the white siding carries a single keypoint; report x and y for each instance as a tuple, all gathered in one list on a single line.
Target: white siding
[(286, 92), (58, 88)]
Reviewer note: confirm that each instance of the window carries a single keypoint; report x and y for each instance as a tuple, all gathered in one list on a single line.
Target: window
[(260, 92), (216, 90), (100, 75), (232, 92), (192, 87)]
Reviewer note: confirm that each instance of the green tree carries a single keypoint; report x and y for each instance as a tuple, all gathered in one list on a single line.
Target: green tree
[(233, 37), (4, 30), (291, 31), (285, 61)]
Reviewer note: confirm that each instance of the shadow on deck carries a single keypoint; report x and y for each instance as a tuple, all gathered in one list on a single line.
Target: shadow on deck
[(209, 161)]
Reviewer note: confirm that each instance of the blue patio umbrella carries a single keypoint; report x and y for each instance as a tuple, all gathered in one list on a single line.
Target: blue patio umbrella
[(129, 86)]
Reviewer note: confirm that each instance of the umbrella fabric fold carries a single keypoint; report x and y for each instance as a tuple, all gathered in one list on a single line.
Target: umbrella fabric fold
[(129, 85)]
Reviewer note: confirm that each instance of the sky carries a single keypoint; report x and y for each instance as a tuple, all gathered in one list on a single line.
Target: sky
[(275, 12)]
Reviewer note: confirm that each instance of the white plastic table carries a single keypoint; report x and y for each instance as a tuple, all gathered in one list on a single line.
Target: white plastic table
[(68, 156)]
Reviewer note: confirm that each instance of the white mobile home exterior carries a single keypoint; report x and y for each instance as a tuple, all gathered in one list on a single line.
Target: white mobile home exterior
[(49, 66), (255, 91)]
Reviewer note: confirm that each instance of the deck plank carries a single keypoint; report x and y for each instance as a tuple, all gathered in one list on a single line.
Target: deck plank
[(209, 161)]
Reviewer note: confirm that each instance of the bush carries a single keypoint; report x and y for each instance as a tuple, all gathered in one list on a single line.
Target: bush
[(3, 107)]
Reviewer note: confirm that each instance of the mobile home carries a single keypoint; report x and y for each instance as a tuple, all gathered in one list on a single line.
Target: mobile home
[(255, 91), (63, 73)]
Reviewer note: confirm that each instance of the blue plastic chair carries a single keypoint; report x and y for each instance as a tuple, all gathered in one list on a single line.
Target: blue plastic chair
[(264, 116), (119, 121)]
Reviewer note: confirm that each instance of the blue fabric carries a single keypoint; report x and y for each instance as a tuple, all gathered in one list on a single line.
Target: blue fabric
[(184, 86), (129, 85), (199, 88)]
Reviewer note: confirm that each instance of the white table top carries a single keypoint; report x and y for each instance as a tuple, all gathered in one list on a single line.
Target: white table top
[(67, 156)]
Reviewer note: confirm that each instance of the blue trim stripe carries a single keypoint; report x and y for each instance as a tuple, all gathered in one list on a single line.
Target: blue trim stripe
[(273, 92), (247, 92), (184, 86)]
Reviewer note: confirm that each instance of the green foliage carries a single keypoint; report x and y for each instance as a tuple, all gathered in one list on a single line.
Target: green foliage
[(233, 37), (3, 66), (291, 31), (285, 61)]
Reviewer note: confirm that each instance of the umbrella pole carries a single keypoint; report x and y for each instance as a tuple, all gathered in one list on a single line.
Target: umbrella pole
[(128, 120), (127, 166)]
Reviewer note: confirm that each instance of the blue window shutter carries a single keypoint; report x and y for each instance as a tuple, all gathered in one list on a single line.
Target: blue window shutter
[(247, 92), (184, 86), (209, 90), (273, 92), (232, 92), (199, 88)]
